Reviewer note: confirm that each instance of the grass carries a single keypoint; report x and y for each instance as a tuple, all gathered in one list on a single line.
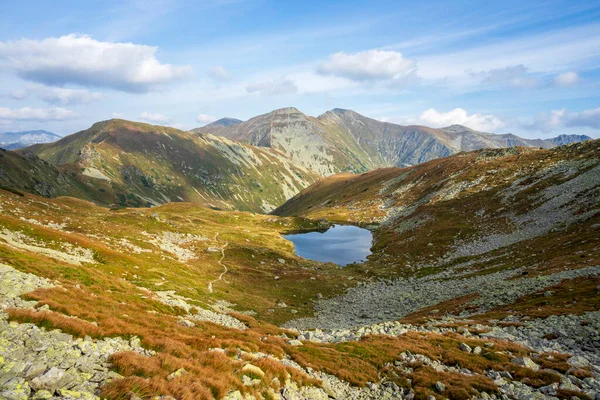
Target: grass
[(571, 296), (114, 292)]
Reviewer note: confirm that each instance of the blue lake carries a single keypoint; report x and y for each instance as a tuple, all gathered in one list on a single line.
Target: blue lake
[(340, 244)]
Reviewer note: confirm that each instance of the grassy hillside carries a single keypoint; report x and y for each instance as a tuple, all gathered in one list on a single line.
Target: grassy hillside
[(483, 279), (452, 210), (146, 165)]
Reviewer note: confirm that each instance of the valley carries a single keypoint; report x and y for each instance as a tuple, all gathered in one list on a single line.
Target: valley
[(483, 282), (316, 200)]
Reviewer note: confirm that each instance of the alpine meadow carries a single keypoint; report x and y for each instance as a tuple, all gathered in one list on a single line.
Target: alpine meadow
[(257, 199)]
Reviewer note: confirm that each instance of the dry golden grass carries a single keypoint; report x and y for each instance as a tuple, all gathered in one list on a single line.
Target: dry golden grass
[(111, 292)]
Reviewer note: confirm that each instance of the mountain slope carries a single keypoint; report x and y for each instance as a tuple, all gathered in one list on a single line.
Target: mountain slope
[(218, 126), (182, 300), (302, 139), (17, 140), (155, 165), (30, 173), (345, 141), (477, 217)]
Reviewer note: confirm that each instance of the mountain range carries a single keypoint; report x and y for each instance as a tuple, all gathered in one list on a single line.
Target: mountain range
[(482, 282), (253, 165), (123, 163), (17, 140), (344, 141)]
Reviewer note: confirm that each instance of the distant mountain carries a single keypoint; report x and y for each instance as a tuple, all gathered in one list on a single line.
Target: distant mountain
[(17, 140), (216, 127), (345, 141), (138, 164), (568, 139), (225, 122)]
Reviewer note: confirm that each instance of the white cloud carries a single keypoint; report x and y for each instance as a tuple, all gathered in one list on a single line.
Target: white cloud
[(154, 117), (589, 118), (205, 119), (117, 115), (372, 65), (516, 76), (219, 74), (566, 79), (55, 95), (545, 52), (18, 94), (36, 114), (79, 59), (554, 119), (479, 122), (273, 88)]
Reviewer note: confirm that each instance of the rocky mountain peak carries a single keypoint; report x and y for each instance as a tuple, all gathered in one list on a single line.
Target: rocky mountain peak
[(457, 128), (224, 122)]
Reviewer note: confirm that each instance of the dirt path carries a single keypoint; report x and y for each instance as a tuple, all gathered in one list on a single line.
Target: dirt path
[(210, 284)]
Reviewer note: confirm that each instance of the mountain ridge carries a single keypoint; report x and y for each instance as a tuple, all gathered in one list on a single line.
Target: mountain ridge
[(143, 165), (342, 140), (17, 140)]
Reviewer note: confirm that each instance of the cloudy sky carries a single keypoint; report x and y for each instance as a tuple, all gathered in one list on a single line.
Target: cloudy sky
[(500, 66)]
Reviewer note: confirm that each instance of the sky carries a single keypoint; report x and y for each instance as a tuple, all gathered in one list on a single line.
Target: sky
[(530, 68)]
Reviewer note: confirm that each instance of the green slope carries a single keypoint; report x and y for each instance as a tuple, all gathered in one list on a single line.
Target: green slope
[(147, 165)]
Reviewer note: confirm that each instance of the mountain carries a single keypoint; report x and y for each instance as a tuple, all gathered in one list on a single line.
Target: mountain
[(225, 122), (30, 173), (482, 283), (218, 126), (17, 140), (345, 141), (471, 220), (144, 165), (561, 140)]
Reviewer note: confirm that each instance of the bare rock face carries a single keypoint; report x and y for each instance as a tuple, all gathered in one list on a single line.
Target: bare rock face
[(344, 141)]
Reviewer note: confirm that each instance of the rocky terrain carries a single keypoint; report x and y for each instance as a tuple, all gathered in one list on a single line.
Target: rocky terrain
[(484, 282), (344, 141), (253, 165)]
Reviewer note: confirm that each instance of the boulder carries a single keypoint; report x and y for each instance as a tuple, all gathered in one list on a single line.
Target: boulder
[(525, 362), (440, 387), (253, 369), (465, 347), (578, 362), (177, 374), (52, 380), (186, 323)]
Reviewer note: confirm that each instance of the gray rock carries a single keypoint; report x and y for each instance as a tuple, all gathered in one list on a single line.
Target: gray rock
[(186, 323), (52, 380), (578, 362), (525, 362), (35, 370), (465, 347), (440, 387)]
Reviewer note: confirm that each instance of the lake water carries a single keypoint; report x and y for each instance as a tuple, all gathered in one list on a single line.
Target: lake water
[(340, 244)]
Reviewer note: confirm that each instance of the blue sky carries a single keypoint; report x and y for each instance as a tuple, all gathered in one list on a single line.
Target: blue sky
[(531, 69)]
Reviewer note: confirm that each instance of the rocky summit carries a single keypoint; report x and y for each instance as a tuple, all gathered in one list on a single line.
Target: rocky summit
[(483, 282), (344, 141)]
